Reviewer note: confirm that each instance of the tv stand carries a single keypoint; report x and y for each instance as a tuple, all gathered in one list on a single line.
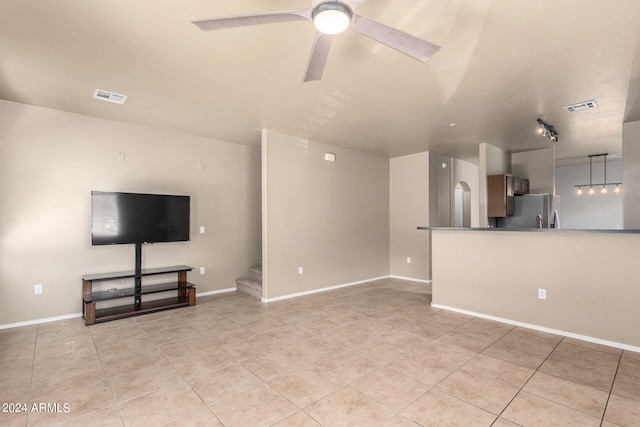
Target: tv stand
[(186, 293)]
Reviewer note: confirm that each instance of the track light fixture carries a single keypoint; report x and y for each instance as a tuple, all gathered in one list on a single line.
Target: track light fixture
[(547, 130)]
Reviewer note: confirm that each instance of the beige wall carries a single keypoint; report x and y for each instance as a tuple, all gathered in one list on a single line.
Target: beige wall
[(539, 167), (410, 201), (331, 218), (494, 160), (409, 208), (631, 175), (49, 163), (591, 279), (440, 190)]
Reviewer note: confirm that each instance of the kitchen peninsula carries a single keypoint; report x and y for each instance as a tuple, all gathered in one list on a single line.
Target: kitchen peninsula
[(590, 278)]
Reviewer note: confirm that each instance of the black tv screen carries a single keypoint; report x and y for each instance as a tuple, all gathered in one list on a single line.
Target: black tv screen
[(123, 218)]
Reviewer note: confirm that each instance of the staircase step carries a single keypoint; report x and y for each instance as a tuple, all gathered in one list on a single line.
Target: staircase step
[(256, 273), (250, 286)]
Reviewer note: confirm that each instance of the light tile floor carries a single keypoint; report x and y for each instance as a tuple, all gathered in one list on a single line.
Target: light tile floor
[(368, 355)]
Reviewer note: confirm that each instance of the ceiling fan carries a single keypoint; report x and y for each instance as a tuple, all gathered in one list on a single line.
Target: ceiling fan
[(329, 18)]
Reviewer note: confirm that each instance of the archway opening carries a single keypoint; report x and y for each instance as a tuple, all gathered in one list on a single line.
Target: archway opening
[(462, 205)]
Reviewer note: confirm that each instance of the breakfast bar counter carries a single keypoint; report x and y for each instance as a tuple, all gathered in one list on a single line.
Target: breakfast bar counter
[(590, 279)]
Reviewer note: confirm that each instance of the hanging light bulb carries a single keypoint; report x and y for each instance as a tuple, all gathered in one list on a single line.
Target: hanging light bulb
[(604, 186)]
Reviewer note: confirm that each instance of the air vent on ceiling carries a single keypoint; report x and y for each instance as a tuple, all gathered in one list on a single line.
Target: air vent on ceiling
[(587, 105), (105, 95)]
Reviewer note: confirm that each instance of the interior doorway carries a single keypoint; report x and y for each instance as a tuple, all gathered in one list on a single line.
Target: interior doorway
[(462, 205)]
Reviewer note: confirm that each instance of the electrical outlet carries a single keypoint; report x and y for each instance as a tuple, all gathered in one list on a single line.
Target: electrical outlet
[(542, 293), (37, 289), (408, 260), (300, 270), (202, 229), (201, 270)]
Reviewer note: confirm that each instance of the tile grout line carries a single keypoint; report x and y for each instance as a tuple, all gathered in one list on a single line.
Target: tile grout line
[(33, 366), (465, 363), (527, 381), (104, 369), (168, 359), (615, 376), (434, 386), (240, 363), (41, 341)]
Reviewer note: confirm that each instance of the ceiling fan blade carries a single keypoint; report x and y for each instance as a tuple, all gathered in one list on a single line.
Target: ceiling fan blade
[(318, 57), (234, 21), (395, 39)]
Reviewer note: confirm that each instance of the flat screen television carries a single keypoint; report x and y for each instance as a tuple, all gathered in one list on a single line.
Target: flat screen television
[(125, 218)]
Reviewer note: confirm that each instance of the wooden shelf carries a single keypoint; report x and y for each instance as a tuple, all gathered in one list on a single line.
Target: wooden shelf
[(131, 292), (185, 294), (129, 310)]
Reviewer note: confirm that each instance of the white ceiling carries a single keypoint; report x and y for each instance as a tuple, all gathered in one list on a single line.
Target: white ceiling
[(503, 64)]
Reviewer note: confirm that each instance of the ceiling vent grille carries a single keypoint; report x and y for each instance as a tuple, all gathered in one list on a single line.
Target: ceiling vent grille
[(105, 95), (587, 105)]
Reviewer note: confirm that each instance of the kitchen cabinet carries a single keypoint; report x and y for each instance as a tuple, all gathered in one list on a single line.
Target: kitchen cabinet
[(501, 189), (520, 186)]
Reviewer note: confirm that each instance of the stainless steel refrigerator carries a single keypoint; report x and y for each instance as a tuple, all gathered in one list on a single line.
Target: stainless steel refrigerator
[(533, 211)]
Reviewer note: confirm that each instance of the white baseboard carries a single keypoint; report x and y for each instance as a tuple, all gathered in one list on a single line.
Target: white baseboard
[(38, 321), (74, 315), (541, 328), (329, 288), (411, 279), (222, 291)]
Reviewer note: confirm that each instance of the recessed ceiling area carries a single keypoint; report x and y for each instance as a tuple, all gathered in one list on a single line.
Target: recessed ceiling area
[(502, 65)]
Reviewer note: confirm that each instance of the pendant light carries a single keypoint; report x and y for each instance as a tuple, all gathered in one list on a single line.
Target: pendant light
[(604, 190)]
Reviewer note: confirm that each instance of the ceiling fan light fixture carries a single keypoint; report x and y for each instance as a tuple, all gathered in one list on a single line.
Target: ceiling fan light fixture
[(331, 17)]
